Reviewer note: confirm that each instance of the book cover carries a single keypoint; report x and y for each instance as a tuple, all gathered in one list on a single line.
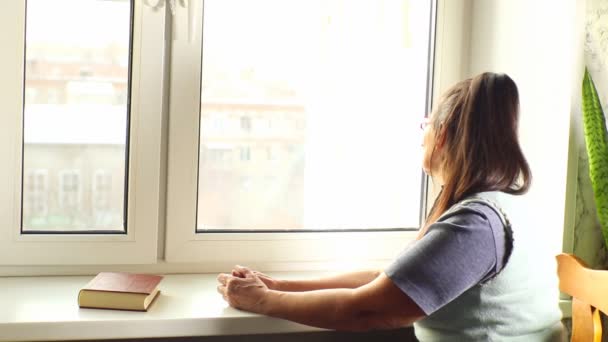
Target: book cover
[(121, 291)]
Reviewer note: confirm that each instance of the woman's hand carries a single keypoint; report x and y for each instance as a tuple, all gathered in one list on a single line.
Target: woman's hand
[(246, 291), (271, 283)]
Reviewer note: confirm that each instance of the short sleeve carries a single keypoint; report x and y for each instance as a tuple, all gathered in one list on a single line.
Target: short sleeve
[(457, 253)]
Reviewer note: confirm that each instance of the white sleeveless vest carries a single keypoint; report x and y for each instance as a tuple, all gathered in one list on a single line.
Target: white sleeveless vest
[(519, 304)]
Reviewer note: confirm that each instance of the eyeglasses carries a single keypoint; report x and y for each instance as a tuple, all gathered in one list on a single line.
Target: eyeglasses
[(424, 123)]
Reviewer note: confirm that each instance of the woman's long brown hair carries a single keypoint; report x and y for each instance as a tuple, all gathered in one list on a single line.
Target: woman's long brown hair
[(476, 122)]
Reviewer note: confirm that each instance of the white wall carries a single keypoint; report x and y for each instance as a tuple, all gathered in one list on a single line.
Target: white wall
[(535, 42)]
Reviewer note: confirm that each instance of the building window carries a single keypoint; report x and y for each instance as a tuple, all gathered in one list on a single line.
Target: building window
[(102, 190), (69, 190), (36, 193), (271, 153), (246, 123), (245, 153), (53, 96), (217, 155), (31, 95)]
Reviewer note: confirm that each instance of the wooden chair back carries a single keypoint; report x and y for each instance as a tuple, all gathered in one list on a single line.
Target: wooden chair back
[(589, 291)]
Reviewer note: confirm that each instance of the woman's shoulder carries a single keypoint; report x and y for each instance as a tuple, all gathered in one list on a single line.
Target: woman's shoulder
[(480, 217), (484, 205), (483, 216)]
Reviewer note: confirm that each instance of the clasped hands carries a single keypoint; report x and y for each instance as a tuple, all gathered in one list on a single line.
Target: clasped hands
[(246, 289)]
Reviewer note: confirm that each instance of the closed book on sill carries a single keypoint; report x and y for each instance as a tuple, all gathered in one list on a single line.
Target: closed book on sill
[(120, 291)]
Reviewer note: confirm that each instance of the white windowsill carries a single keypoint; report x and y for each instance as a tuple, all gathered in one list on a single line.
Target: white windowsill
[(45, 308)]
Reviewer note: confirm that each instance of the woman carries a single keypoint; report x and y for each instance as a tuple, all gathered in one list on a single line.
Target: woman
[(467, 277)]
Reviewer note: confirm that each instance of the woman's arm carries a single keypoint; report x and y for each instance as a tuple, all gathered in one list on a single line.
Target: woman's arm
[(349, 280), (376, 305)]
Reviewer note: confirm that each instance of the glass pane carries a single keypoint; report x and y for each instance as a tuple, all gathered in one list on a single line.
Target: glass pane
[(310, 114), (75, 115)]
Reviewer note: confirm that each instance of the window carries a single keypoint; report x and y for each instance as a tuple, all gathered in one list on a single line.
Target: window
[(216, 155), (246, 123), (31, 95), (53, 96), (102, 189), (69, 191), (87, 128), (70, 124), (104, 201), (245, 153), (293, 146), (271, 153), (338, 88), (36, 197), (347, 93)]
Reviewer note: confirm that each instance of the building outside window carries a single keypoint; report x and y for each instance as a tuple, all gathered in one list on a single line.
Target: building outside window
[(36, 193), (70, 190)]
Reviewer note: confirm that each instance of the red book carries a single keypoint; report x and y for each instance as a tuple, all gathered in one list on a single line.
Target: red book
[(120, 291)]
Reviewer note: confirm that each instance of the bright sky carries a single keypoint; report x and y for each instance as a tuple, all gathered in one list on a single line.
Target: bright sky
[(81, 22)]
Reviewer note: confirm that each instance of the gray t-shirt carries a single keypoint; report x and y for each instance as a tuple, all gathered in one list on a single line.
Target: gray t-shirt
[(467, 246)]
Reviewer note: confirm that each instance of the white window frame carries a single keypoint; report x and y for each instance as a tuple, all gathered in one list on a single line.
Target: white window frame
[(268, 251), (139, 244)]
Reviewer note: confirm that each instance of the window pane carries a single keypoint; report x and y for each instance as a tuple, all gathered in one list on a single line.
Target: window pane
[(310, 113), (75, 115)]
